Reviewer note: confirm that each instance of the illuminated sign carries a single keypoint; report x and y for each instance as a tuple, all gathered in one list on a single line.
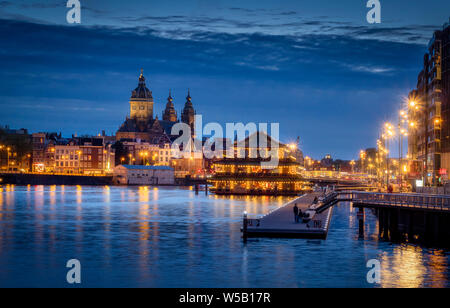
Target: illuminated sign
[(419, 183), (39, 167)]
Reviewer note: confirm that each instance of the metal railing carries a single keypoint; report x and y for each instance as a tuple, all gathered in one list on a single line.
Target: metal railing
[(435, 202)]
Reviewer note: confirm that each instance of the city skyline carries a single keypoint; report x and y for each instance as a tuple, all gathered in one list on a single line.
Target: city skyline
[(298, 77)]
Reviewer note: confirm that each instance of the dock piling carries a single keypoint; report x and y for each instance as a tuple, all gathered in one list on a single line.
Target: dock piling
[(361, 221), (244, 227)]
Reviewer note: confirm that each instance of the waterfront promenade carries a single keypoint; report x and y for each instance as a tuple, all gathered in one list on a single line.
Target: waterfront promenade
[(280, 222)]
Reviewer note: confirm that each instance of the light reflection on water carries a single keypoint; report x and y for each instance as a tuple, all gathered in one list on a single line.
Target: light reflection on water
[(169, 237)]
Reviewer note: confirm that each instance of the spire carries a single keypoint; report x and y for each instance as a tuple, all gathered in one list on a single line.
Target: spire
[(141, 77), (188, 113), (169, 113), (188, 97)]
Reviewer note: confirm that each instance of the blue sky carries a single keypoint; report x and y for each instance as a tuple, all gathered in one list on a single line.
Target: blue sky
[(316, 67)]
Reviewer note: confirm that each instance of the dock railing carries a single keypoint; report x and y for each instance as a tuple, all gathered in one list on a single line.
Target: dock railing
[(434, 202)]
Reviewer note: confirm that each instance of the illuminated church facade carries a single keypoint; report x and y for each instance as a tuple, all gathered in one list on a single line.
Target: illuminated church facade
[(142, 124)]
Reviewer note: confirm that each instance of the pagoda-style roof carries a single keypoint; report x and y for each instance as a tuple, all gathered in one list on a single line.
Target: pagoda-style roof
[(259, 140)]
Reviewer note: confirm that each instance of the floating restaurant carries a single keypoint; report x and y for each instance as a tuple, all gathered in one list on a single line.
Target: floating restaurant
[(259, 167)]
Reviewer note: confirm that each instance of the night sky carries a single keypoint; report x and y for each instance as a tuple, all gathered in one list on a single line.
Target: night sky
[(316, 67)]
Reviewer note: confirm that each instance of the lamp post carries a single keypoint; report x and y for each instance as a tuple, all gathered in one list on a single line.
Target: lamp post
[(8, 149), (362, 156), (401, 132), (1, 148), (388, 134)]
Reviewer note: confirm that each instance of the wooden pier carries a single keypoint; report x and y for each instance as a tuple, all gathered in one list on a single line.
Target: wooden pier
[(405, 217), (281, 222)]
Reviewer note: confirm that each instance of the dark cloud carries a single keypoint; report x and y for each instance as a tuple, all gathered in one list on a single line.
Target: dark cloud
[(43, 5), (4, 4)]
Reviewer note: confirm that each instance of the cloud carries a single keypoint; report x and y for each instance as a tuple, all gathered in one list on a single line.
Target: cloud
[(4, 4), (369, 69)]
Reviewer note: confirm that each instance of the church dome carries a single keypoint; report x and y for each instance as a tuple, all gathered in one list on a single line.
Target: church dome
[(142, 92)]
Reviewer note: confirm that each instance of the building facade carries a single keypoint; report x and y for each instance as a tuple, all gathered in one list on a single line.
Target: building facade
[(144, 175), (259, 165), (145, 153), (84, 155), (429, 113)]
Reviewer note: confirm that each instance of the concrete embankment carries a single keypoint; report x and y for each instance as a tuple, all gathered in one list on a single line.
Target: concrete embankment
[(52, 179)]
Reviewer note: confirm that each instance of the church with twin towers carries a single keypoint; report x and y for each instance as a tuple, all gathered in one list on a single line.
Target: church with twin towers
[(142, 124)]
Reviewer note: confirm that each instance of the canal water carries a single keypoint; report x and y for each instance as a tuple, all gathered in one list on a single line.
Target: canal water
[(169, 237)]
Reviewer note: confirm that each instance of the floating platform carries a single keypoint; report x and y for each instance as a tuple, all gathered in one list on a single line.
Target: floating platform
[(281, 222)]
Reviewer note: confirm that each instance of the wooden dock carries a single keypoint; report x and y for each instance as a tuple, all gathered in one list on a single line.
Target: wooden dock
[(281, 222)]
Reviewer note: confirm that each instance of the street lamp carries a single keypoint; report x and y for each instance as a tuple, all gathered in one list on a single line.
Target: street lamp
[(362, 155), (8, 149), (388, 134)]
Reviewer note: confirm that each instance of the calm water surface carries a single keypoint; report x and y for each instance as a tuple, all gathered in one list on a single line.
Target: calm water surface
[(168, 237)]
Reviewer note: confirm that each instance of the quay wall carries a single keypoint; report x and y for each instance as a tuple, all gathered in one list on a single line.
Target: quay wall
[(51, 179)]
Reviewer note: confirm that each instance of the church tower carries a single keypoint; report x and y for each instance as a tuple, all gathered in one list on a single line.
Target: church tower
[(169, 113), (188, 114), (141, 102)]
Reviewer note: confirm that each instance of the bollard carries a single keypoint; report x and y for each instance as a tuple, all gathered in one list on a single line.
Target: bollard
[(206, 189), (244, 227), (196, 188)]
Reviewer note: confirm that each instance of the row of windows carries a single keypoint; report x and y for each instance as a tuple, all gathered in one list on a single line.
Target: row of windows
[(71, 157), (141, 108), (85, 151), (67, 164), (137, 174), (74, 164)]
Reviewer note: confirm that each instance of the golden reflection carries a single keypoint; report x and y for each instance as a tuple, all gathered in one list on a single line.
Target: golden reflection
[(143, 226), (155, 193), (437, 266), (106, 194), (38, 198), (79, 195), (9, 197), (144, 213), (1, 203), (52, 196), (404, 268), (79, 218)]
